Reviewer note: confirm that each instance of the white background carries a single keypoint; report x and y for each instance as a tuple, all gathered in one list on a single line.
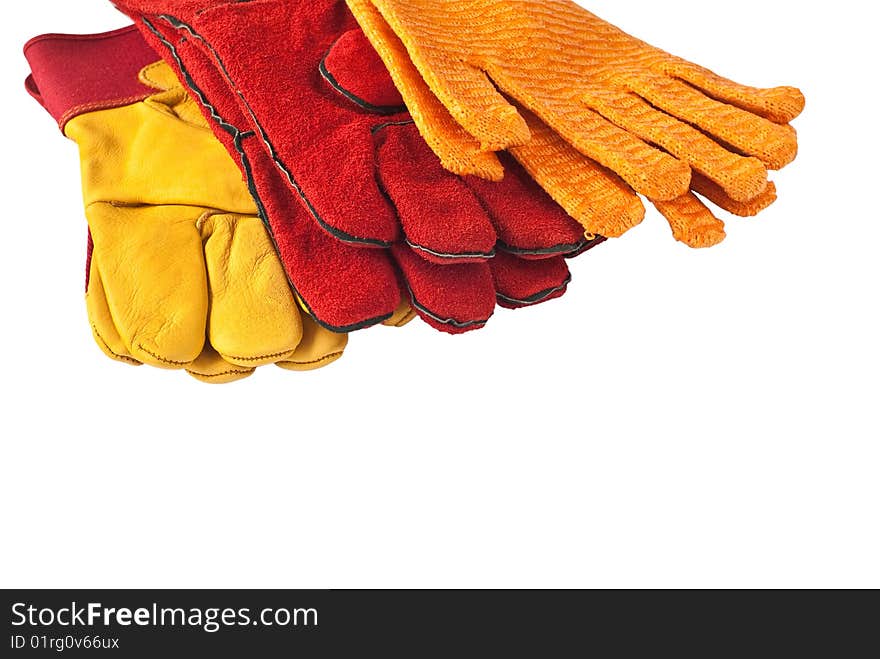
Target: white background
[(680, 418)]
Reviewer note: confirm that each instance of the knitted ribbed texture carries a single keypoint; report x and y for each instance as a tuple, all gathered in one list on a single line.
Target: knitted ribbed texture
[(566, 76), (610, 95), (459, 152)]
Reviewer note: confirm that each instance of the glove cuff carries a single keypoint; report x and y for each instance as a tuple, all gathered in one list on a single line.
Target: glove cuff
[(73, 74)]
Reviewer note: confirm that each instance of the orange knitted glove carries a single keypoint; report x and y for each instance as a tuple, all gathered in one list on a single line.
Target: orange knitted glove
[(600, 90)]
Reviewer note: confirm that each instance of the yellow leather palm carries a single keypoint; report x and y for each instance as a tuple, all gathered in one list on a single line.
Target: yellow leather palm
[(594, 115), (183, 273)]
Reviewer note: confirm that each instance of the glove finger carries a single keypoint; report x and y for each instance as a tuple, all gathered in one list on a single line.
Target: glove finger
[(714, 193), (457, 149), (344, 288), (101, 320), (353, 68), (442, 219), (649, 171), (254, 318), (403, 316), (780, 105), (691, 222), (694, 224), (773, 144), (742, 178), (451, 298), (440, 216), (528, 222), (211, 368), (153, 269), (596, 198), (471, 97), (330, 166), (474, 102), (588, 246), (523, 283), (208, 367), (348, 208), (319, 347)]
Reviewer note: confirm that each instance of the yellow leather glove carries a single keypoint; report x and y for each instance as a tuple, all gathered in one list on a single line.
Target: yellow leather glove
[(313, 351), (182, 274), (185, 275), (585, 99)]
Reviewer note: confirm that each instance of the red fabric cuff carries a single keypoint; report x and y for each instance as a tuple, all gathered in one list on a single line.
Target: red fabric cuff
[(72, 74)]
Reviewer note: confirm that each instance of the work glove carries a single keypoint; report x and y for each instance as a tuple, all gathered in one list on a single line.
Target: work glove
[(452, 285), (587, 109), (181, 272)]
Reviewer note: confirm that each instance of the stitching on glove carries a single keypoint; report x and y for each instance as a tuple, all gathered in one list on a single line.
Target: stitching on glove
[(339, 330), (146, 75), (332, 356), (444, 321), (76, 37), (354, 98), (256, 359), (99, 105), (162, 359), (590, 244), (442, 255), (566, 248), (537, 297), (238, 138), (456, 256), (405, 122), (207, 376), (123, 358), (177, 24)]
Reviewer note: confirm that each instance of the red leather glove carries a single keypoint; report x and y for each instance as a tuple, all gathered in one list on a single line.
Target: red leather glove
[(273, 54), (450, 297)]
